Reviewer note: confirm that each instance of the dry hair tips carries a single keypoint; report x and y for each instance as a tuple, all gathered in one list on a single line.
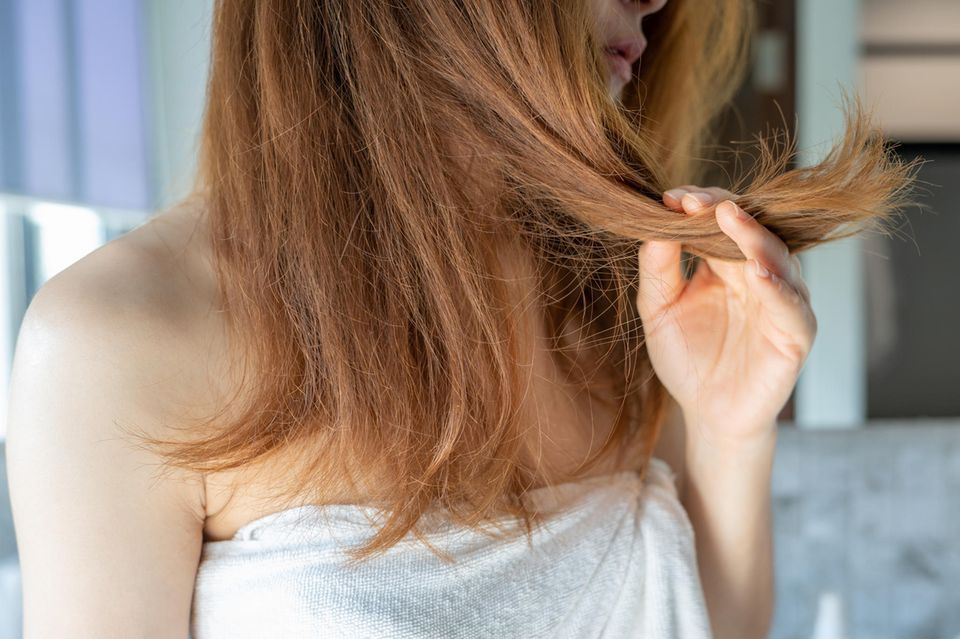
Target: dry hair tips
[(361, 162)]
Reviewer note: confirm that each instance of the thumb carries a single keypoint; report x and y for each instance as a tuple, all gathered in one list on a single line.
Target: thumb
[(661, 281)]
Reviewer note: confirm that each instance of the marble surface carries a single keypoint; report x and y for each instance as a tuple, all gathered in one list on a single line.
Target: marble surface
[(873, 514)]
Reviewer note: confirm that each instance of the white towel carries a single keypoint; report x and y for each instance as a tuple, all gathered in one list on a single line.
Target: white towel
[(615, 559)]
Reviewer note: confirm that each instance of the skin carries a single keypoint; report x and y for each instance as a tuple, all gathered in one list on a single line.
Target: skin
[(728, 346), (617, 19), (108, 548)]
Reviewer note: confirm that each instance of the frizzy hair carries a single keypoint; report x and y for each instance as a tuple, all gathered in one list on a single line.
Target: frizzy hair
[(360, 162)]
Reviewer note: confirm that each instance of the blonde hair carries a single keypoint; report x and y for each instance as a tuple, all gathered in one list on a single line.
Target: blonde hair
[(358, 268)]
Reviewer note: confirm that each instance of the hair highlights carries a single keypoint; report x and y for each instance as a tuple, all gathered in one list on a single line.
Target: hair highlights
[(361, 163)]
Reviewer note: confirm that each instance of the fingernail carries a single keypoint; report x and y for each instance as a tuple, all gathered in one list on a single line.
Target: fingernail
[(701, 199), (675, 193), (738, 212), (761, 271)]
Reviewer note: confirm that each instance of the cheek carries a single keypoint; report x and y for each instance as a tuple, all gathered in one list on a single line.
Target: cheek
[(606, 15)]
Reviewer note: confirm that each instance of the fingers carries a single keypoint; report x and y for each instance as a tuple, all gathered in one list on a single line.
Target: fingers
[(774, 277), (693, 200), (770, 272), (797, 279), (793, 315), (759, 243), (692, 197), (661, 280)]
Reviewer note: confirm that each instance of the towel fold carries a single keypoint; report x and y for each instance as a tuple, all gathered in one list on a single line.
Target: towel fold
[(615, 559)]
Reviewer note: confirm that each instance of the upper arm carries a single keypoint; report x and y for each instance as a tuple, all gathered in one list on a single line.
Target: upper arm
[(671, 443), (108, 548)]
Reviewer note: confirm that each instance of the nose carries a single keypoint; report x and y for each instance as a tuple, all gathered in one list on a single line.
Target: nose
[(644, 7)]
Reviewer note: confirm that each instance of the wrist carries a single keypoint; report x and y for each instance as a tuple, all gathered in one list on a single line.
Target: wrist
[(727, 470), (730, 434), (709, 444)]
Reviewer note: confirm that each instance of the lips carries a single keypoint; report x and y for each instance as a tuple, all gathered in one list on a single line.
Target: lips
[(619, 66), (622, 53), (631, 48)]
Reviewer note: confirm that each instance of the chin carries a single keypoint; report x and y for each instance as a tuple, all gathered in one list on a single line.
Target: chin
[(615, 87), (616, 91)]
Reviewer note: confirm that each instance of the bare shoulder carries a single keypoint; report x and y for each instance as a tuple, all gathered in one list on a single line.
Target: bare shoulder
[(111, 340), (140, 309), (159, 269)]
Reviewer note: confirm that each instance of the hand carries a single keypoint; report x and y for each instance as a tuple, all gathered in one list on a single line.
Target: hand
[(729, 343)]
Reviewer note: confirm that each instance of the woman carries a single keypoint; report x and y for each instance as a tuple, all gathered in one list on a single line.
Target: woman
[(432, 271)]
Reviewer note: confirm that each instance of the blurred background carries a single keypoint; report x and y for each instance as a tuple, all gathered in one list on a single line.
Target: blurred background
[(100, 102)]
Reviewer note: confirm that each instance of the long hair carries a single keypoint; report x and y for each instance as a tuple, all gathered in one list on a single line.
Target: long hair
[(361, 162)]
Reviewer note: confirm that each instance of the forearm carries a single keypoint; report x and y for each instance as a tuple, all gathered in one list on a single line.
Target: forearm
[(727, 498)]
